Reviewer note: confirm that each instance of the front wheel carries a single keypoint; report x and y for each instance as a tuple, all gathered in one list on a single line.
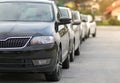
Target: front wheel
[(57, 73), (88, 34), (77, 51), (94, 35), (66, 63), (72, 55)]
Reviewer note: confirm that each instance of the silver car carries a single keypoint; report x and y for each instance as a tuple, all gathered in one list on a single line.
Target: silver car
[(91, 24), (84, 29), (74, 32)]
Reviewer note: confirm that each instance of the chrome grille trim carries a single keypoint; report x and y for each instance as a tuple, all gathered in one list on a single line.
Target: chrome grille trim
[(7, 39)]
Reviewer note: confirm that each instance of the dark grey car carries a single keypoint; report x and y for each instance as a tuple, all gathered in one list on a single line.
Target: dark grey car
[(33, 38)]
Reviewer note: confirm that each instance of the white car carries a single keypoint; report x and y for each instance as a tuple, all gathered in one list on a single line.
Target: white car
[(91, 26), (76, 28), (74, 32), (84, 30)]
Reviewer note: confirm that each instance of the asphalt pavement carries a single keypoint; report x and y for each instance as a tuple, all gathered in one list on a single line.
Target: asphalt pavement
[(99, 62)]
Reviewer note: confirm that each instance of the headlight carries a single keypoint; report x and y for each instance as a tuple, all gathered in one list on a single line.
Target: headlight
[(42, 40)]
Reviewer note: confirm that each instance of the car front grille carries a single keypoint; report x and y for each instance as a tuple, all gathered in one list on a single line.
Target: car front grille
[(14, 42)]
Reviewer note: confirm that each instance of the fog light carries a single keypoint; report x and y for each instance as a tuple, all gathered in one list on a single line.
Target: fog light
[(41, 62)]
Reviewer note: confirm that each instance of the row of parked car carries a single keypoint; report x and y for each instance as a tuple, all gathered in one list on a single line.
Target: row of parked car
[(80, 28), (37, 36)]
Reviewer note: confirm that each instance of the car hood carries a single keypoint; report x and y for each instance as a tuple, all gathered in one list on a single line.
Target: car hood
[(25, 29)]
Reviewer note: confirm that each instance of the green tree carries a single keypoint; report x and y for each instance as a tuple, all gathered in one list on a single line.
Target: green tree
[(76, 1), (64, 1)]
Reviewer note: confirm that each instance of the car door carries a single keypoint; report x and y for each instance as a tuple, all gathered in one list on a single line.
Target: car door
[(62, 30), (92, 24), (64, 37), (77, 38), (76, 29)]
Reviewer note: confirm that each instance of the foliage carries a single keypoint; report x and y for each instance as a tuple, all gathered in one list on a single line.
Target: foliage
[(104, 22), (113, 21), (85, 11), (60, 3)]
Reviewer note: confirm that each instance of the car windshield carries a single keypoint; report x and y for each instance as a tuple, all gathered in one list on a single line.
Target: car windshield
[(76, 15), (19, 11)]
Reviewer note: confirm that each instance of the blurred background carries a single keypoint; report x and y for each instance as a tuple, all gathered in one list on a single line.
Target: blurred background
[(105, 12)]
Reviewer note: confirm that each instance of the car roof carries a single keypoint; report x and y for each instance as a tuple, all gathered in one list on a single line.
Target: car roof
[(63, 7), (48, 1), (75, 11)]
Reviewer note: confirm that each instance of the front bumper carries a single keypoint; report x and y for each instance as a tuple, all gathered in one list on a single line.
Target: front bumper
[(21, 60)]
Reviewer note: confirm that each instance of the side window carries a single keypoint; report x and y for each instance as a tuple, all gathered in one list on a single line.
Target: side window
[(58, 15), (74, 16)]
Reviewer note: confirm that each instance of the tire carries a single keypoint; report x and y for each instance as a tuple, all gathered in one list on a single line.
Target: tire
[(88, 34), (94, 35), (72, 55), (86, 37), (66, 63), (83, 39), (57, 73), (77, 51)]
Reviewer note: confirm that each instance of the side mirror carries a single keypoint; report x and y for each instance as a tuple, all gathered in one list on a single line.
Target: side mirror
[(65, 20), (84, 21), (91, 20), (76, 22)]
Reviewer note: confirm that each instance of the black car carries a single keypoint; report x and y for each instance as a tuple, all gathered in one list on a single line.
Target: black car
[(33, 38)]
